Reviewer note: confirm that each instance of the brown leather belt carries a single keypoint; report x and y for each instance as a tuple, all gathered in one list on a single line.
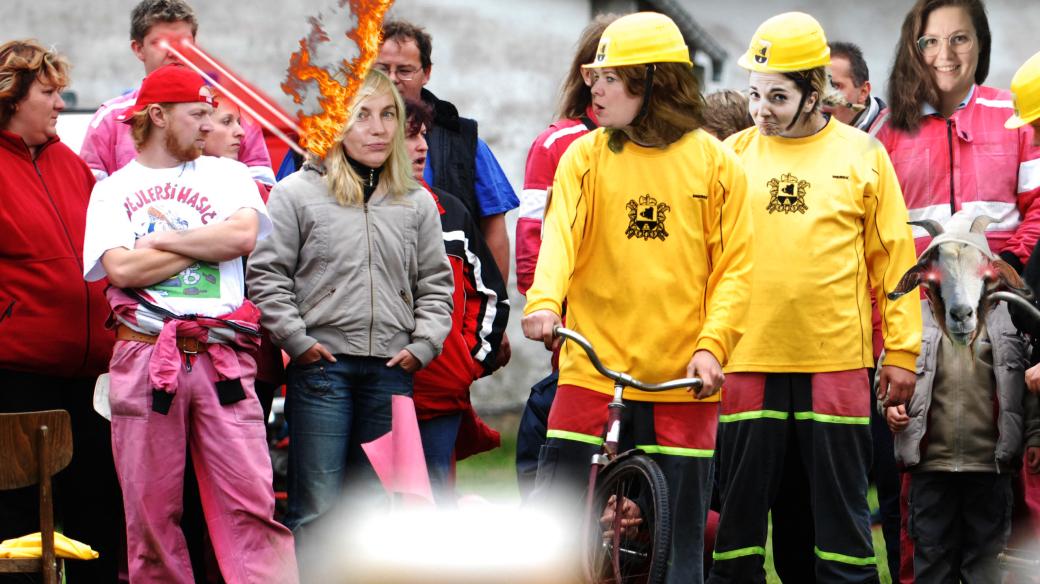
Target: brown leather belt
[(187, 345)]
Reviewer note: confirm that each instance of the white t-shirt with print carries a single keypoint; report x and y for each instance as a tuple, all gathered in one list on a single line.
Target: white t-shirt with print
[(136, 201)]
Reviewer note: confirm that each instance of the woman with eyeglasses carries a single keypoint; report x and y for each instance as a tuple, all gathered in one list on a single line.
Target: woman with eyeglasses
[(945, 130), (945, 134)]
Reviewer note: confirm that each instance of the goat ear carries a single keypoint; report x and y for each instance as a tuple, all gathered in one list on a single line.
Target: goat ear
[(910, 280), (1009, 278)]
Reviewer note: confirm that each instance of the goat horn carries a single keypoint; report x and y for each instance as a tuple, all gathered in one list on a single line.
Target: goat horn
[(980, 223), (932, 226)]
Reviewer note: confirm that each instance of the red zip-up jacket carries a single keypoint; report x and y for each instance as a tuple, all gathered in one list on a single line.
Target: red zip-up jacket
[(51, 321), (542, 160), (479, 315)]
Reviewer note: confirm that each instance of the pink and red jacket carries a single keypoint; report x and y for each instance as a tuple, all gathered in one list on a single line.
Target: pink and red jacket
[(542, 160), (478, 321), (480, 312), (971, 161), (108, 146), (224, 342)]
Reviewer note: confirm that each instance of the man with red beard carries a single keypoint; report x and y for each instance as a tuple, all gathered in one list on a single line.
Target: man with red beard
[(168, 230)]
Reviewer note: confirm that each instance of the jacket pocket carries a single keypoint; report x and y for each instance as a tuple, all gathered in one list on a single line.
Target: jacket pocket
[(310, 305), (925, 361), (996, 167), (402, 309)]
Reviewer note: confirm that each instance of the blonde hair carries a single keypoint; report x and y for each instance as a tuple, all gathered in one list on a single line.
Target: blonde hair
[(21, 63), (344, 182), (141, 127)]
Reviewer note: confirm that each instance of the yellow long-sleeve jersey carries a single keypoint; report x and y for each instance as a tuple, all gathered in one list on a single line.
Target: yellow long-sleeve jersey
[(651, 248), (830, 226)]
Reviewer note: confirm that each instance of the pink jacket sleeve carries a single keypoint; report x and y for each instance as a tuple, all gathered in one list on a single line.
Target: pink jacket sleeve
[(99, 144), (254, 153)]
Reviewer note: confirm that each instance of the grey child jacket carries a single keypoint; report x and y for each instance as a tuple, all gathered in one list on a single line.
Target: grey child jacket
[(1010, 359), (365, 280)]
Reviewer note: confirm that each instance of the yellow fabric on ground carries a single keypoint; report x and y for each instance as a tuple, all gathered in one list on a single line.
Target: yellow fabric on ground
[(30, 546)]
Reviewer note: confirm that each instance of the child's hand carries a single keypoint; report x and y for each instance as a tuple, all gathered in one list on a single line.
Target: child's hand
[(1033, 459), (1033, 378), (897, 418)]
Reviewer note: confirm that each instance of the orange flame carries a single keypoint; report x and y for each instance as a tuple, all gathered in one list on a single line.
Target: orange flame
[(320, 130)]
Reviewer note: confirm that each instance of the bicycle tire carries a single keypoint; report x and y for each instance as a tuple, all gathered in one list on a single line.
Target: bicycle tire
[(643, 556)]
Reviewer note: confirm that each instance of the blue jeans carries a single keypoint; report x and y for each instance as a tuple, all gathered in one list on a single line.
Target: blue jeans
[(438, 441), (333, 408)]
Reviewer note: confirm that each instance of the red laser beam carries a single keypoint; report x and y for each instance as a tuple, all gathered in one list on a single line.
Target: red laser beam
[(248, 98)]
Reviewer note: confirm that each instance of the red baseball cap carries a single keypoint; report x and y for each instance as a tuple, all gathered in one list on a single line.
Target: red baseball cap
[(172, 83)]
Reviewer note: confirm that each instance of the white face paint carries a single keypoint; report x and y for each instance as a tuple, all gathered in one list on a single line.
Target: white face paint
[(773, 101), (962, 270)]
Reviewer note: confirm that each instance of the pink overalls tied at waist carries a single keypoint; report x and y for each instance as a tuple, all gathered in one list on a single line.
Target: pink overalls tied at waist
[(223, 341)]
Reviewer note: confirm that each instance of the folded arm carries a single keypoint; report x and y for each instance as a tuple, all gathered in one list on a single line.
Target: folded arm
[(140, 268), (226, 240)]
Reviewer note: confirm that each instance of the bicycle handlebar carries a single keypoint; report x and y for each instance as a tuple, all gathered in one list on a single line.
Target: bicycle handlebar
[(1020, 302), (623, 378)]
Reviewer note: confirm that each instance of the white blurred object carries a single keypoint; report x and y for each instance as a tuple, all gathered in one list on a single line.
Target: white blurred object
[(72, 128), (480, 543)]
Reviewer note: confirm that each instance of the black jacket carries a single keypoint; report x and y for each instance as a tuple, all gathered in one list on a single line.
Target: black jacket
[(453, 152)]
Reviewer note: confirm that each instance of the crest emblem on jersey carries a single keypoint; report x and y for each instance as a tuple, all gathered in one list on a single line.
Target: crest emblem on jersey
[(787, 194), (646, 218)]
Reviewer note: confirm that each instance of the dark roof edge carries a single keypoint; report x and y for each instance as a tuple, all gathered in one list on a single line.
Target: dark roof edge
[(693, 31)]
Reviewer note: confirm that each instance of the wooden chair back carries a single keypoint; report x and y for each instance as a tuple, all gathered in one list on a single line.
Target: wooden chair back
[(34, 446)]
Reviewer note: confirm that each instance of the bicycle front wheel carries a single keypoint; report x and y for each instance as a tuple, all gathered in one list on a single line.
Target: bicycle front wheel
[(627, 536)]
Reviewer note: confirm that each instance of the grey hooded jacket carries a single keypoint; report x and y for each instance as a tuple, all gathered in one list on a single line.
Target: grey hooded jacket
[(365, 280), (1010, 359)]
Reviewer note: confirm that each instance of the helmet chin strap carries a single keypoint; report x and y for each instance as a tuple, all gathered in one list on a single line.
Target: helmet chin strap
[(648, 86), (797, 114)]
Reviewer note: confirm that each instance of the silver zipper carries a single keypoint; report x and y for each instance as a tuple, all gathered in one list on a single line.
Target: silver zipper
[(371, 282)]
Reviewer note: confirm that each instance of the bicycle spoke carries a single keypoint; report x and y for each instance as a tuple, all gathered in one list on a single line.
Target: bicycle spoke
[(626, 530)]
